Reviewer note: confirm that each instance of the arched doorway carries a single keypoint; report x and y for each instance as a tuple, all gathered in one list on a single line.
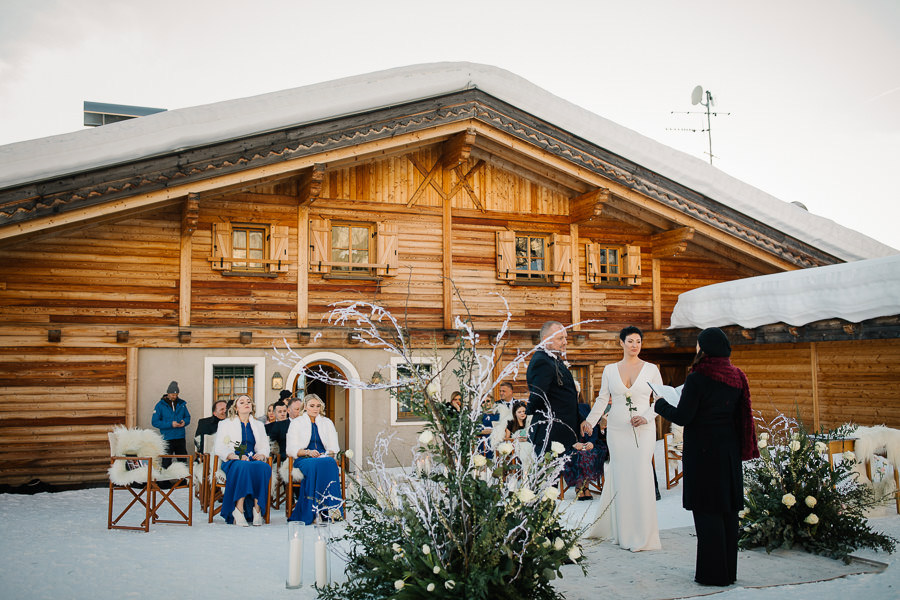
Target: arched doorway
[(340, 403)]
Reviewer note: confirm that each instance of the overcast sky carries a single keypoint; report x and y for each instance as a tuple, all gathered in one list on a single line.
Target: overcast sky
[(812, 86)]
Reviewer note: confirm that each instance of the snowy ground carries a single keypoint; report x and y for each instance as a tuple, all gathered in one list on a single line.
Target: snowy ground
[(57, 546)]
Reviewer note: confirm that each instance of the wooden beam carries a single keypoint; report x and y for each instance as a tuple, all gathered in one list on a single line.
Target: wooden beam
[(131, 386), (189, 219), (576, 276), (464, 183), (669, 244), (814, 368), (428, 181), (303, 265), (588, 205), (457, 149), (447, 255), (311, 184), (656, 286)]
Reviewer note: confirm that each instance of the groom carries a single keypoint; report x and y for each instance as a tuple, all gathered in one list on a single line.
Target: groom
[(553, 398)]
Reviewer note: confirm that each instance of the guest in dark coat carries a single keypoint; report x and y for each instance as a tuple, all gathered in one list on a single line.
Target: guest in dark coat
[(718, 434), (209, 425), (552, 390)]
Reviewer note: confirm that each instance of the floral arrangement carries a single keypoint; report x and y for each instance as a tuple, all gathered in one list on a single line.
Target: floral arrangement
[(793, 496), (457, 524)]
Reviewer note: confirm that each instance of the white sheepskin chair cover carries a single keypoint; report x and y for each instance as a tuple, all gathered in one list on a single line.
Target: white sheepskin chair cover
[(677, 432), (141, 442), (295, 472), (877, 440)]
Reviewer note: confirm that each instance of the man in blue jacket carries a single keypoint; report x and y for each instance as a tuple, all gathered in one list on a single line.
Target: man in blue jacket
[(171, 416)]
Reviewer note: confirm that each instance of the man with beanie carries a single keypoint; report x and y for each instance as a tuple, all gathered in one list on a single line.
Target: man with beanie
[(171, 416)]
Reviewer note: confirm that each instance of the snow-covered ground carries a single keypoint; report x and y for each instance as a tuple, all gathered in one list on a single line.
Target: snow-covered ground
[(57, 546)]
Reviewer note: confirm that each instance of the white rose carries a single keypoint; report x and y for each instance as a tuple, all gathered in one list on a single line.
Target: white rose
[(764, 436), (557, 448), (848, 455), (505, 448), (397, 547), (436, 569), (479, 460), (399, 584), (349, 454), (525, 495), (812, 519), (574, 553), (430, 587), (821, 447), (551, 493), (743, 513), (795, 445), (558, 544), (546, 543), (810, 501), (449, 584), (762, 444), (788, 500), (426, 549), (426, 437), (432, 389)]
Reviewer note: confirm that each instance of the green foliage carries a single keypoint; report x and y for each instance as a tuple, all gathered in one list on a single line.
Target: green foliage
[(792, 495), (461, 525)]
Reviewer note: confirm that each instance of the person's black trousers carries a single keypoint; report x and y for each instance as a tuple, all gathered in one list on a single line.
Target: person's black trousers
[(174, 447), (717, 546)]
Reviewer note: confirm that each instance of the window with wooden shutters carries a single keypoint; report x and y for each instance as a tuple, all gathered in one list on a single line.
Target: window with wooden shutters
[(613, 266), (348, 249), (250, 249), (524, 257), (351, 248), (248, 242)]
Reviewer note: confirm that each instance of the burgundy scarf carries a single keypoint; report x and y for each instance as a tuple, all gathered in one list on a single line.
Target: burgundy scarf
[(719, 368)]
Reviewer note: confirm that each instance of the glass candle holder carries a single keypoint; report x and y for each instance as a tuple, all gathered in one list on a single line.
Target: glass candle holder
[(295, 555), (322, 553)]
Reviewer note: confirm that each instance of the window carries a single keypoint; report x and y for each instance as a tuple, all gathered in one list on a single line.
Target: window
[(248, 242), (402, 399), (530, 257), (347, 249), (230, 381), (535, 258), (613, 266), (351, 245), (250, 249)]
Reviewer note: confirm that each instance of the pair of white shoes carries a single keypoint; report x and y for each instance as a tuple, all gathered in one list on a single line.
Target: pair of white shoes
[(242, 522)]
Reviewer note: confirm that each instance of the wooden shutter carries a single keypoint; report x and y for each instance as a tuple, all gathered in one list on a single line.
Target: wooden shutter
[(221, 246), (561, 257), (319, 245), (279, 238), (633, 264), (592, 258), (386, 248), (506, 255)]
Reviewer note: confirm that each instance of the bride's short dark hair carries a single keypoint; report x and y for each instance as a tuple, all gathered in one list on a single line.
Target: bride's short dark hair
[(628, 331)]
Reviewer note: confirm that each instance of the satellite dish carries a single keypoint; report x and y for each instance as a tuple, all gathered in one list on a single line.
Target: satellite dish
[(697, 95)]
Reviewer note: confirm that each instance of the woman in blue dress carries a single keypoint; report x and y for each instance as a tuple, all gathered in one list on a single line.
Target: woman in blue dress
[(313, 443), (243, 447)]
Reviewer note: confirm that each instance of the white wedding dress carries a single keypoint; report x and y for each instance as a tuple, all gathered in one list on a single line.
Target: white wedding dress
[(628, 498)]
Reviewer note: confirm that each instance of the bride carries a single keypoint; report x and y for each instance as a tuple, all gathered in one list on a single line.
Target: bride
[(628, 497)]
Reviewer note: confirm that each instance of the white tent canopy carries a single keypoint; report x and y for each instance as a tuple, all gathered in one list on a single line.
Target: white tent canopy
[(175, 130), (854, 292)]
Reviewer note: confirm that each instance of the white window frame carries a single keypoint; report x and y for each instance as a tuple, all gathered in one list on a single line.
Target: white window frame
[(260, 377), (396, 361)]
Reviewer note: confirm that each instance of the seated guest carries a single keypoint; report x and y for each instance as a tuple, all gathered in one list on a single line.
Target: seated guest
[(516, 429), (242, 445), (312, 442), (456, 402), (586, 463), (209, 425), (295, 408), (277, 429)]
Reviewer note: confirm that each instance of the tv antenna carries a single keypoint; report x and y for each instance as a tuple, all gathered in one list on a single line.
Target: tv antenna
[(705, 99)]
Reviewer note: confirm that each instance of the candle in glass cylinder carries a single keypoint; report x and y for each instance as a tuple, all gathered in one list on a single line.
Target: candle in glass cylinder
[(321, 552), (295, 554)]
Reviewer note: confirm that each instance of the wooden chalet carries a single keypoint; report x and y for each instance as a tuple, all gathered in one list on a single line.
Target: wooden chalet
[(184, 245)]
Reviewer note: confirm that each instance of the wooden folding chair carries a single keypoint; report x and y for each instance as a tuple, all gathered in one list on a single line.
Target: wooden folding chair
[(278, 493), (140, 497), (673, 452), (289, 500), (217, 489)]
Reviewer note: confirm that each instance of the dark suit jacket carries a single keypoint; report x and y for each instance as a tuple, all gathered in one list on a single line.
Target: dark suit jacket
[(551, 387), (277, 432), (710, 413), (206, 426)]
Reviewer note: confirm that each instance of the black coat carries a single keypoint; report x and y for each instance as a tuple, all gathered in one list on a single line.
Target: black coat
[(551, 386), (277, 432), (206, 426), (710, 413)]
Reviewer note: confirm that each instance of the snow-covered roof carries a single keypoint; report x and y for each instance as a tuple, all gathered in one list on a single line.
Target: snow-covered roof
[(855, 291), (174, 130)]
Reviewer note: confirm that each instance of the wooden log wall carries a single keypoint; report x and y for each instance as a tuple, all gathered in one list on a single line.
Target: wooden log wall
[(56, 407)]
